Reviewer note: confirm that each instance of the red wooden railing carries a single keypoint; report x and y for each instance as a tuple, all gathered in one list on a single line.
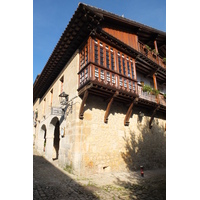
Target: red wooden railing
[(107, 77), (117, 81), (156, 58)]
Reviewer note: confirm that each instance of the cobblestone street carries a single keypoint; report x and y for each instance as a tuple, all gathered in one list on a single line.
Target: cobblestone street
[(51, 182)]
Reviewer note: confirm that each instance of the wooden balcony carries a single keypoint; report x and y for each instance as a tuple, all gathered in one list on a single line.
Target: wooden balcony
[(104, 82), (151, 100), (152, 56)]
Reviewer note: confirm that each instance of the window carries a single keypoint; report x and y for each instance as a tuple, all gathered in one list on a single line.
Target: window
[(113, 78), (132, 70), (123, 62), (86, 54), (102, 74), (101, 55), (96, 53), (125, 84), (119, 63), (112, 61), (86, 73), (128, 68), (96, 72), (108, 76), (120, 81), (82, 76), (129, 85), (107, 59)]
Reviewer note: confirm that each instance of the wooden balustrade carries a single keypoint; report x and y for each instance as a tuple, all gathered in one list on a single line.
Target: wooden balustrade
[(109, 78), (151, 55), (105, 76), (150, 97)]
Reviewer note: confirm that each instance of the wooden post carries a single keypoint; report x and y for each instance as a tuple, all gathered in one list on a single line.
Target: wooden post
[(154, 81), (156, 47)]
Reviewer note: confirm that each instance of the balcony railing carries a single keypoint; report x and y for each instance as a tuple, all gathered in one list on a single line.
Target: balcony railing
[(146, 95), (110, 79), (156, 58), (150, 97), (107, 77)]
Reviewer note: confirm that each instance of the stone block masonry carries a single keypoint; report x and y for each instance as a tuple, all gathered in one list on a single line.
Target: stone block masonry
[(116, 147)]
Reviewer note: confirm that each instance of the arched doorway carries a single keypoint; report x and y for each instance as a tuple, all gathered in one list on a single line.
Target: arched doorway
[(56, 140), (54, 136), (42, 138)]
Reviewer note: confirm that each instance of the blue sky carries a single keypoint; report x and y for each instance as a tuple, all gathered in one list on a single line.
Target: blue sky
[(50, 18)]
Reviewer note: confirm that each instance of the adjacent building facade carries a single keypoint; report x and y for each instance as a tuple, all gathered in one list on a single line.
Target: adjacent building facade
[(100, 102)]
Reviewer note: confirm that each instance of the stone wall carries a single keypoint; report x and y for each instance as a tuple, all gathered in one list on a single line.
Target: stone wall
[(110, 146), (90, 145)]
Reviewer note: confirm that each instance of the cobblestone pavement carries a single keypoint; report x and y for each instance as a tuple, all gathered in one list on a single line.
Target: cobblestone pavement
[(51, 182)]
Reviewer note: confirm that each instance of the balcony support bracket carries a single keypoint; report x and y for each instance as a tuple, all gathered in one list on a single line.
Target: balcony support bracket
[(129, 112), (152, 116), (82, 104), (109, 106)]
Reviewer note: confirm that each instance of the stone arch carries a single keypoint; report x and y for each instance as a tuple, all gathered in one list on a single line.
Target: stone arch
[(42, 138), (54, 135)]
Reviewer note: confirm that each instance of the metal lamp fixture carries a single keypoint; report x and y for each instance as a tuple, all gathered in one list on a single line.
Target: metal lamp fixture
[(141, 114), (63, 98)]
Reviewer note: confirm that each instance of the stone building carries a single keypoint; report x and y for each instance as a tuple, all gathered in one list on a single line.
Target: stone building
[(99, 104)]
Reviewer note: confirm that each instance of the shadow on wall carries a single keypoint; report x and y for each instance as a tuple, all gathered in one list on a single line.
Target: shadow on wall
[(148, 149), (51, 183)]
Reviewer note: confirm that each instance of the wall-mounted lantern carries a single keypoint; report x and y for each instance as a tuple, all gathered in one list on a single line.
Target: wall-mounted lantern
[(140, 116), (63, 98)]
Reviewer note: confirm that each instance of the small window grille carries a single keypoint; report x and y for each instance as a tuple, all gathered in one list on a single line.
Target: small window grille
[(125, 84), (112, 61), (86, 52), (102, 74), (120, 81), (82, 76), (101, 55), (107, 59), (134, 86), (128, 68), (86, 73), (108, 76), (124, 69), (119, 63), (96, 72), (96, 53), (130, 85), (113, 78), (132, 70)]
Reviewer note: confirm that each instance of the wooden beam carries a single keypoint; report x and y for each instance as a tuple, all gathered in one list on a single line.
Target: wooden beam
[(82, 104), (156, 47), (155, 82), (129, 112), (108, 107), (152, 116)]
